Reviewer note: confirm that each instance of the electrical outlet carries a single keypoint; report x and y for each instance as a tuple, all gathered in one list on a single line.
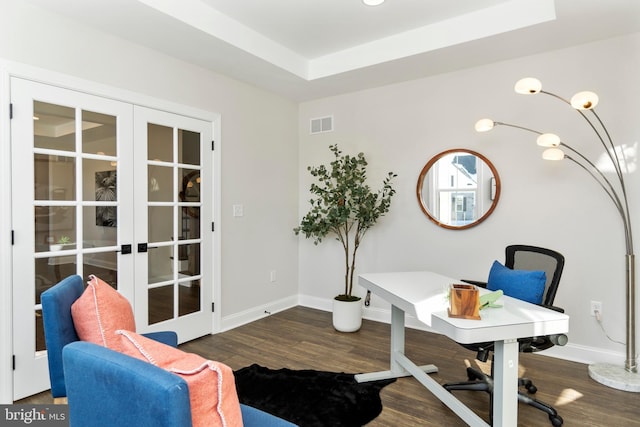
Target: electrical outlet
[(596, 306)]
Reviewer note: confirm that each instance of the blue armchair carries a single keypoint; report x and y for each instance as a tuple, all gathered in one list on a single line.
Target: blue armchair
[(59, 330), (107, 388)]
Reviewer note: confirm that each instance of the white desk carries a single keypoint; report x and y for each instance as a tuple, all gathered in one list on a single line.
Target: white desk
[(422, 294)]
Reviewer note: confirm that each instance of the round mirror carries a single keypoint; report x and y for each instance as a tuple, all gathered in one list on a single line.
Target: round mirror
[(458, 189)]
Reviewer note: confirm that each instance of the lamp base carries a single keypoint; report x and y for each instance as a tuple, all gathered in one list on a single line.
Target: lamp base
[(615, 376)]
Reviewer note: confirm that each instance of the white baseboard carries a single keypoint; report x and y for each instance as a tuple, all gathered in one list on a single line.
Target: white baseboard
[(255, 313), (571, 352), (586, 355), (369, 313), (315, 302)]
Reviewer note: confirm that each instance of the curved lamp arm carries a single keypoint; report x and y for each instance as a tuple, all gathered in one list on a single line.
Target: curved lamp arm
[(618, 195)]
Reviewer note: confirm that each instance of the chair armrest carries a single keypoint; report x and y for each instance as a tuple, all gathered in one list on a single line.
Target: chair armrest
[(165, 337), (107, 388), (553, 307), (59, 329), (475, 282)]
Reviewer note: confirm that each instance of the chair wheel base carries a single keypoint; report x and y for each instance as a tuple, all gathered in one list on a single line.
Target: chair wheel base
[(556, 420), (528, 384)]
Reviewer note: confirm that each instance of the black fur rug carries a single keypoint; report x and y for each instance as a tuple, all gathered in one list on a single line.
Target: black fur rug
[(310, 398)]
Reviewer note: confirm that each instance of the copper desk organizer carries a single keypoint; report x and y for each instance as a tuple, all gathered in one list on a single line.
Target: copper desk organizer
[(464, 301)]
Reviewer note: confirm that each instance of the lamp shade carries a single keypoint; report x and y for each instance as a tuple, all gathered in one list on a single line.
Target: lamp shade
[(548, 140), (484, 125), (584, 100), (528, 86), (553, 154)]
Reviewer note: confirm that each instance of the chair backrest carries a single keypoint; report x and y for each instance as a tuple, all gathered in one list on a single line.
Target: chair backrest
[(58, 327), (525, 257), (107, 388)]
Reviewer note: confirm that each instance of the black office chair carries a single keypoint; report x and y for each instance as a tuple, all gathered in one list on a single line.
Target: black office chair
[(521, 257)]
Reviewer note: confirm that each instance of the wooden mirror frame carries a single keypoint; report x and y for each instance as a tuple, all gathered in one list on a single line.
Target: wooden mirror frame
[(427, 168)]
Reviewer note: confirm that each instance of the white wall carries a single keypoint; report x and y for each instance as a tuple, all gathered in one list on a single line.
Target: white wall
[(557, 205), (399, 127), (258, 148)]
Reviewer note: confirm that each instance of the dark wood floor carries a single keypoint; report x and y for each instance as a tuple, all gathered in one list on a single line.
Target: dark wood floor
[(303, 338)]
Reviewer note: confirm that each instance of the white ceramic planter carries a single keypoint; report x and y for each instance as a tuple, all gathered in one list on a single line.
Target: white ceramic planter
[(347, 315), (61, 246)]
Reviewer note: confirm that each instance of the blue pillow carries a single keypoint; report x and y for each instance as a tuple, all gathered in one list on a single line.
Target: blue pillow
[(522, 284)]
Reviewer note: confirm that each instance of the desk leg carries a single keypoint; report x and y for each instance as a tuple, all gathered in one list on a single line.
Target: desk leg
[(397, 338), (505, 385), (397, 347)]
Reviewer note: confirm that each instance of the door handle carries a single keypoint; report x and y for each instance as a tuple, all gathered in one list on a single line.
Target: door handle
[(125, 249), (144, 247)]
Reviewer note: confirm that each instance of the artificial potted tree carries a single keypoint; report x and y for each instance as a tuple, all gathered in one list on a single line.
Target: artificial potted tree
[(345, 206)]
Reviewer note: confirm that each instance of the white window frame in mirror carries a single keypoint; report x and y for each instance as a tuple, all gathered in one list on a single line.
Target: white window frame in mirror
[(487, 191)]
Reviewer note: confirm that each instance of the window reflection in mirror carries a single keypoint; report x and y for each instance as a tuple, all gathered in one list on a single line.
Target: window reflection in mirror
[(458, 189)]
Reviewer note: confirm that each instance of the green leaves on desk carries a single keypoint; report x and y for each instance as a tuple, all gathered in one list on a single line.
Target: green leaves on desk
[(488, 300)]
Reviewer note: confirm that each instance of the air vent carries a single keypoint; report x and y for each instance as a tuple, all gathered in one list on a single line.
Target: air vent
[(322, 124)]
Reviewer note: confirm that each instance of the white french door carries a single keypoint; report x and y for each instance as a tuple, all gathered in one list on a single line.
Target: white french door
[(78, 163), (173, 217), (68, 214)]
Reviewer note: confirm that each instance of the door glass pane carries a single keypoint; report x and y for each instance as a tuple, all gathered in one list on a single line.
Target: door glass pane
[(100, 181), (107, 262), (54, 127), (104, 265), (160, 304), (95, 229), (160, 224), (160, 184), (55, 228), (189, 297), (98, 134), (189, 259), (53, 269), (189, 223), (188, 147), (160, 144), (54, 177), (45, 277), (190, 187), (160, 264)]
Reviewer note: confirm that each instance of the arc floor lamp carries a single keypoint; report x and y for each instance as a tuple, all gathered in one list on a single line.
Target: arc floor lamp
[(620, 377)]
